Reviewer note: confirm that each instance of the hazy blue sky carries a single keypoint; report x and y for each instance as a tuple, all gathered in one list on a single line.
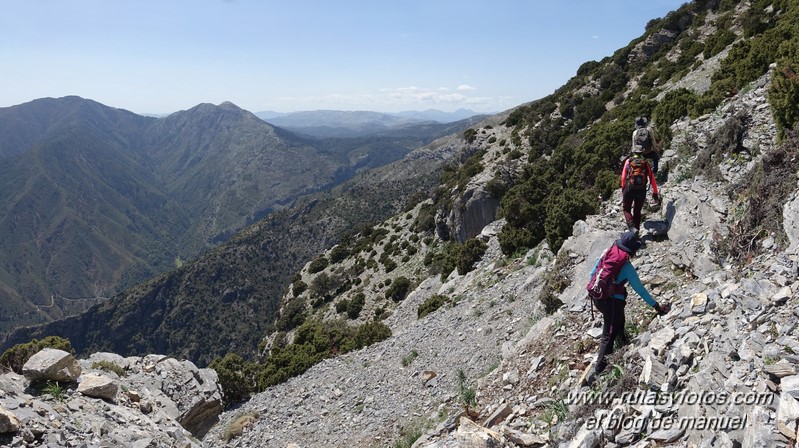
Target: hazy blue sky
[(161, 56)]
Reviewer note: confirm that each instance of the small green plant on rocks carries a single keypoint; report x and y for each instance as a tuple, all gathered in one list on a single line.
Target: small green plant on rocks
[(109, 366), (55, 390), (467, 394), (237, 426), (407, 360)]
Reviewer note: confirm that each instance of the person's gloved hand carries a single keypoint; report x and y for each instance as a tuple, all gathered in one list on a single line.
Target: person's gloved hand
[(656, 197), (662, 310)]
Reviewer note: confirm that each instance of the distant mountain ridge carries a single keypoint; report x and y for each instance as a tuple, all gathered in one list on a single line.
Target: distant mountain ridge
[(98, 198), (227, 299), (337, 123)]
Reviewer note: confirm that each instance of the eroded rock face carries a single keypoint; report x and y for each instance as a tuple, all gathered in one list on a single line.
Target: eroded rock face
[(471, 212), (113, 401), (790, 222)]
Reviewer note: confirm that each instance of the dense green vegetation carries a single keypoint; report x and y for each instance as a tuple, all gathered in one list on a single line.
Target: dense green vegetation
[(575, 156), (453, 255), (313, 341)]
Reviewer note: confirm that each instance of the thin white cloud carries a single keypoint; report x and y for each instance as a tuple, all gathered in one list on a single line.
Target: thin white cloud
[(398, 98), (466, 87)]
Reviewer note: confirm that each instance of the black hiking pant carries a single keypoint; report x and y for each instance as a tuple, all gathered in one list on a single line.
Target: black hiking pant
[(654, 159), (632, 203), (612, 328)]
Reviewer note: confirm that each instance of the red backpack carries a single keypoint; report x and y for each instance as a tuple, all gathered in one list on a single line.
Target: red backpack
[(637, 173), (603, 283)]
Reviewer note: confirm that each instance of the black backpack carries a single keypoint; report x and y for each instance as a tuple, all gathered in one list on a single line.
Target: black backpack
[(643, 137)]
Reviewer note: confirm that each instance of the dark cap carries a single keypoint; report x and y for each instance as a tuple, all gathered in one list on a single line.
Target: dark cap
[(640, 122), (629, 242)]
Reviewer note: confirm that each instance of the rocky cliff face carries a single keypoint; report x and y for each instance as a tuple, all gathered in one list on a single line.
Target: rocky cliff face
[(107, 400), (475, 206)]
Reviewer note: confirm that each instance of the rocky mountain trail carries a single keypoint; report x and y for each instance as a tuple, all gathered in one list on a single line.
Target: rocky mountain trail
[(718, 370), (490, 368)]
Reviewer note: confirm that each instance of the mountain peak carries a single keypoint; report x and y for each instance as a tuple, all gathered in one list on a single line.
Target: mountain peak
[(229, 106)]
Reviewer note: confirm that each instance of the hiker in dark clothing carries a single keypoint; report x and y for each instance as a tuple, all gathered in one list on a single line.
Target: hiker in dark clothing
[(612, 308), (645, 137), (634, 177)]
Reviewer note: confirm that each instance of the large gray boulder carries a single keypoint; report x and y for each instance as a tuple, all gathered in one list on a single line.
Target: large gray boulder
[(98, 386), (51, 364)]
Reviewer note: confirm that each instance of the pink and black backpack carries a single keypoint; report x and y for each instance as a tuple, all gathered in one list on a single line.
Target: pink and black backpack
[(603, 283)]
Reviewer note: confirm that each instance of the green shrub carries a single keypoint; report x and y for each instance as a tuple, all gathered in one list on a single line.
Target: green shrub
[(317, 265), (469, 254), (292, 315), (388, 264), (468, 395), (236, 377), (325, 287), (52, 388), (426, 219), (355, 305), (431, 304), (675, 104), (338, 253), (562, 211), (469, 135), (513, 239), (407, 360), (15, 357), (783, 94), (399, 289), (109, 366), (298, 287), (718, 42), (313, 341)]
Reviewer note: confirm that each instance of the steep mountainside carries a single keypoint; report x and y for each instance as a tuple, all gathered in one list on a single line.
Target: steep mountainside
[(468, 296), (230, 168), (225, 301), (79, 208), (473, 298), (706, 373), (97, 199)]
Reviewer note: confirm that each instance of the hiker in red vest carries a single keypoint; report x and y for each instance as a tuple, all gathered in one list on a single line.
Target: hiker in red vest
[(634, 177), (612, 308)]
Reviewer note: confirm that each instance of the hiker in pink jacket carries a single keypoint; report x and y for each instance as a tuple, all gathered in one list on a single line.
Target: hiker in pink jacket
[(612, 308)]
